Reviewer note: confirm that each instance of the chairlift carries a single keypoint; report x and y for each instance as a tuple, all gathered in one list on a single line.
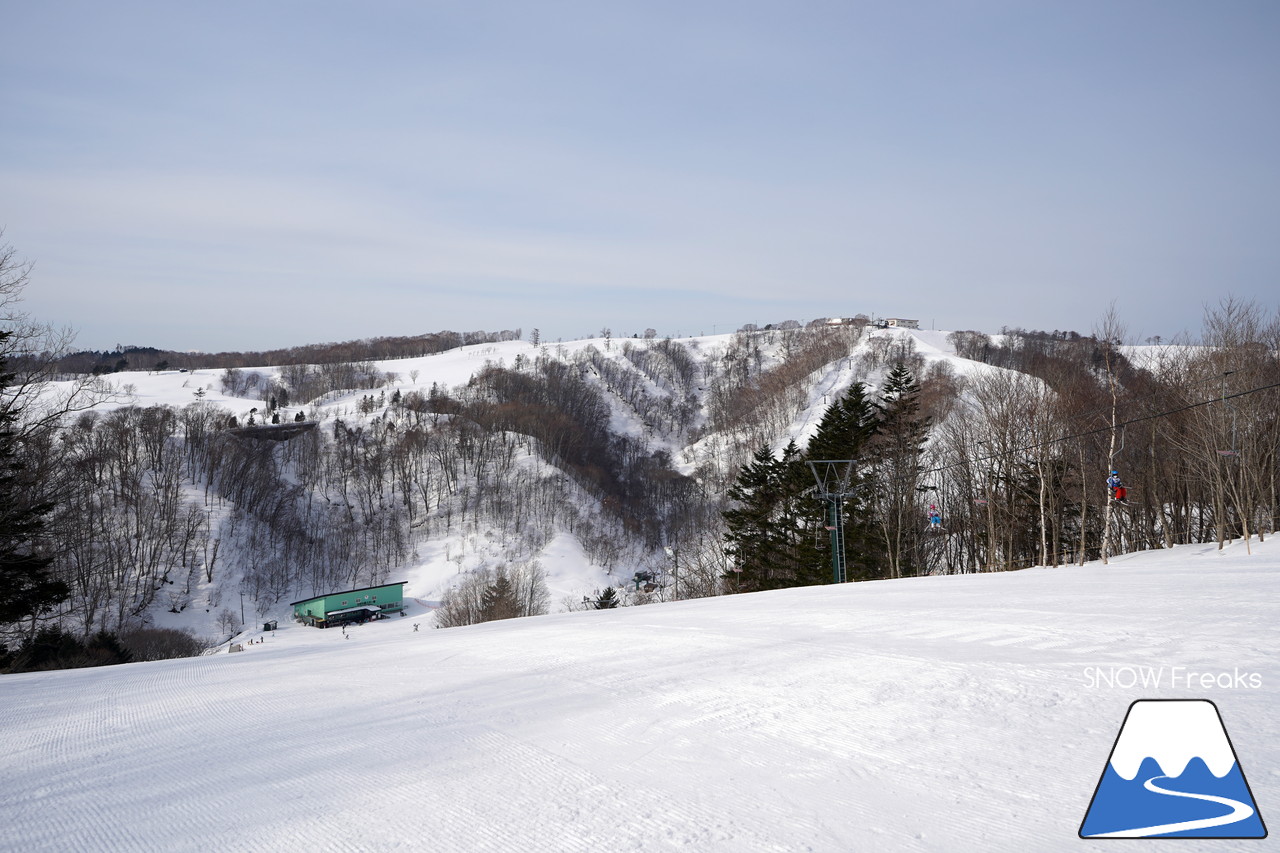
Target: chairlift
[(935, 520)]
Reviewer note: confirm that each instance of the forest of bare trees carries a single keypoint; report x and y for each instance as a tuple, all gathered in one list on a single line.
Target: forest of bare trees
[(127, 357), (639, 450), (1017, 459)]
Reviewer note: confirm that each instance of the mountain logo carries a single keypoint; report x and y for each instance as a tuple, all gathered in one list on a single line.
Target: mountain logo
[(1173, 773)]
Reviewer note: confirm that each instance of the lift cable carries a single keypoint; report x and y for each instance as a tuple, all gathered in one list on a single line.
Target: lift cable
[(1106, 408), (1107, 428)]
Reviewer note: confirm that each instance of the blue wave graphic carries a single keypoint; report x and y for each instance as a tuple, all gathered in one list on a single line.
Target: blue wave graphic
[(1122, 806)]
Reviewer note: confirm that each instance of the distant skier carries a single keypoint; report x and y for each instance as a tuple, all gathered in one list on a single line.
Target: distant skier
[(1119, 493), (935, 518)]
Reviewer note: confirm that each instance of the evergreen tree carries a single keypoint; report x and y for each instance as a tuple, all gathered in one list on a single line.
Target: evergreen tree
[(769, 529), (26, 588), (801, 526), (608, 599), (52, 648), (499, 601), (777, 525), (845, 427), (752, 536), (898, 451), (845, 433)]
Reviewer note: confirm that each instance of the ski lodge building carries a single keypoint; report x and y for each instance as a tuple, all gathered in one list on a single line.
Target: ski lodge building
[(896, 323), (882, 323), (353, 605)]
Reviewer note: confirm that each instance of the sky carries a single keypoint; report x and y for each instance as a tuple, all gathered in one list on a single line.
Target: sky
[(243, 175)]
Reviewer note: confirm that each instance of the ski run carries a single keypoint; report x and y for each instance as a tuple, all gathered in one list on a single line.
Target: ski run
[(956, 713)]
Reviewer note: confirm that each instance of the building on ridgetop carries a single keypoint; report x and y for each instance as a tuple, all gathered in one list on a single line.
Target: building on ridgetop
[(896, 323), (353, 605)]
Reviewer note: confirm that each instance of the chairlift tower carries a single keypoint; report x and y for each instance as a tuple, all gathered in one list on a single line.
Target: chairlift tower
[(834, 483)]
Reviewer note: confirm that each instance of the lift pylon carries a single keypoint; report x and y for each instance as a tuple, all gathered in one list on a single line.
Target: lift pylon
[(834, 479)]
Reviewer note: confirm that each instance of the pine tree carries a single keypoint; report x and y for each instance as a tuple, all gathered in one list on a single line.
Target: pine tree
[(769, 530), (845, 427), (898, 451), (752, 537), (499, 601), (52, 648), (845, 433), (26, 588), (800, 515), (607, 600)]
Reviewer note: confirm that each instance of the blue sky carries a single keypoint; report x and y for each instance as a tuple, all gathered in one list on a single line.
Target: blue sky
[(247, 175)]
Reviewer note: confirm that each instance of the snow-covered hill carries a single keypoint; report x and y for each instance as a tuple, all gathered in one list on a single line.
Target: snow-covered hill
[(570, 575), (959, 713), (440, 557), (441, 560)]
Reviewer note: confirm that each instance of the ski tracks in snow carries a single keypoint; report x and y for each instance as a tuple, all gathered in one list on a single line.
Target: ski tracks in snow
[(924, 715)]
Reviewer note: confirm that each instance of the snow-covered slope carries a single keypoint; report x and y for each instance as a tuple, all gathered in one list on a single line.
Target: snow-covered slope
[(440, 561), (569, 573), (959, 713)]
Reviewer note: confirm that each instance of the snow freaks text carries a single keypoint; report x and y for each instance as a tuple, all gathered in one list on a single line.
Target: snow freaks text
[(1170, 677)]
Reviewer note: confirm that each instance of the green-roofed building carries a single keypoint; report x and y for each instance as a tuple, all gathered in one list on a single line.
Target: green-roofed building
[(353, 605)]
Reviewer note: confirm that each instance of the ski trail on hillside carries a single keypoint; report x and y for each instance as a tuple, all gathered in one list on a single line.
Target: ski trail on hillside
[(837, 377), (1240, 811)]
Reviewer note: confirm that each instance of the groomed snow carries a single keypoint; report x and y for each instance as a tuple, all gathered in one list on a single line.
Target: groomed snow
[(960, 713)]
